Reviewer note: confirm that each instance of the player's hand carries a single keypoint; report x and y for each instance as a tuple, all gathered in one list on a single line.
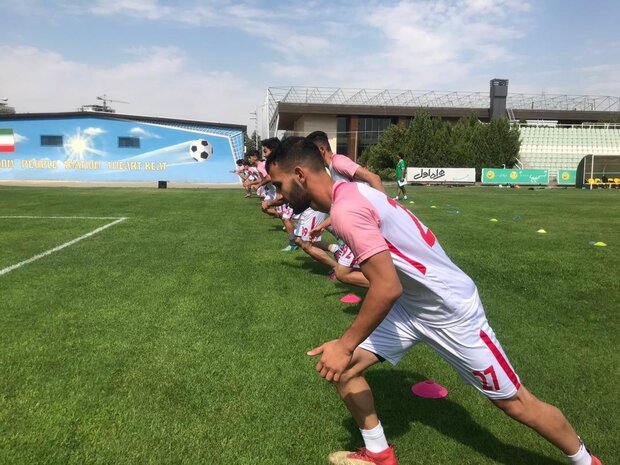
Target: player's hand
[(246, 183), (316, 232), (335, 358), (265, 204)]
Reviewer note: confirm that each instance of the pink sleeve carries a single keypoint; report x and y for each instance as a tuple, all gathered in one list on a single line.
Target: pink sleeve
[(344, 165), (357, 222), (261, 168)]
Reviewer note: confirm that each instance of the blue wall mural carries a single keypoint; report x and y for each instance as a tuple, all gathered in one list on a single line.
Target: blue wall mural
[(99, 148)]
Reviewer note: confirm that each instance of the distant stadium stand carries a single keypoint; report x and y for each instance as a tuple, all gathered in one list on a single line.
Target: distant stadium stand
[(556, 147)]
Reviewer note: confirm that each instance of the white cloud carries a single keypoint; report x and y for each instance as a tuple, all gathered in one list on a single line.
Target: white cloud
[(287, 71), (148, 9), (258, 22), (144, 134), (443, 41), (162, 82), (443, 45), (93, 131)]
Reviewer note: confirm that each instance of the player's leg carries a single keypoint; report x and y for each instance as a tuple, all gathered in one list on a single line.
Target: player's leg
[(472, 348), (545, 419), (357, 396), (389, 341), (289, 227), (355, 391)]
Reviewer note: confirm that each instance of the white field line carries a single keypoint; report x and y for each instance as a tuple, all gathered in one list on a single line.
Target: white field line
[(63, 217), (60, 247)]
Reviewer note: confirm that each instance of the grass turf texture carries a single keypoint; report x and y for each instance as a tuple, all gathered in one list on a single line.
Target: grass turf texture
[(179, 336)]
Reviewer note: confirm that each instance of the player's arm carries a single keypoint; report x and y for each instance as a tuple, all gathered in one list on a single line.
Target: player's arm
[(318, 230), (256, 183), (372, 179), (383, 291), (266, 180), (279, 200)]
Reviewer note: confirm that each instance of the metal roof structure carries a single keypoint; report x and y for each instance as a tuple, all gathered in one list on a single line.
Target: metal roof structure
[(431, 98), (403, 99)]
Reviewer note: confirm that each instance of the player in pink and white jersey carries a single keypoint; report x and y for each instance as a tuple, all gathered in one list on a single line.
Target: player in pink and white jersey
[(416, 294), (342, 168), (264, 188)]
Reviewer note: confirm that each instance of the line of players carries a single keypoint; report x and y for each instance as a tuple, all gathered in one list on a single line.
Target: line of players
[(450, 319), (305, 228)]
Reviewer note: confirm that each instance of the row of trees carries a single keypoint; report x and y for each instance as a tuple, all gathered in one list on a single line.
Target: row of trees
[(431, 142)]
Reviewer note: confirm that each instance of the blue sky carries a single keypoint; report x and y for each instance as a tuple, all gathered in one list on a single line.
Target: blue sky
[(214, 60)]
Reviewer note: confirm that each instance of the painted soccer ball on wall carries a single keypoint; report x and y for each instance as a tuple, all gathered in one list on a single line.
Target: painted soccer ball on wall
[(200, 150)]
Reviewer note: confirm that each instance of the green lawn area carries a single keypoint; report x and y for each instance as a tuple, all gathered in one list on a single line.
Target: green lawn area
[(179, 335)]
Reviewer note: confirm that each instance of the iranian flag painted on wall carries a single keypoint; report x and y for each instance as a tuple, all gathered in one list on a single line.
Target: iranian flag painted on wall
[(7, 140)]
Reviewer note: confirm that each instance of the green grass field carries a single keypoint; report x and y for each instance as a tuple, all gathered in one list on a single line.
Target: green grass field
[(178, 336)]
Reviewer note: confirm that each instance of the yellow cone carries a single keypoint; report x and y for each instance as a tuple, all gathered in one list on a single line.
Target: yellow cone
[(411, 201), (600, 244), (494, 220), (541, 231), (433, 206)]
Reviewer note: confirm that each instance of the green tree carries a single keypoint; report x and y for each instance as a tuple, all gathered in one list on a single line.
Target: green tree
[(251, 142), (431, 142)]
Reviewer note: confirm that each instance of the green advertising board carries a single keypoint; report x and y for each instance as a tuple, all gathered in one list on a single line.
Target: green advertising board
[(525, 177), (567, 177)]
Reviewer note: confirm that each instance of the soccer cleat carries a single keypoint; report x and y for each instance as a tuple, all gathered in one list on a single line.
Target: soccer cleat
[(332, 276), (364, 457), (290, 248), (405, 197), (595, 460), (397, 198)]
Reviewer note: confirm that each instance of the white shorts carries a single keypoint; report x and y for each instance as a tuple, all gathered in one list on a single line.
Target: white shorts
[(270, 192), (344, 256), (308, 220), (469, 346), (285, 211)]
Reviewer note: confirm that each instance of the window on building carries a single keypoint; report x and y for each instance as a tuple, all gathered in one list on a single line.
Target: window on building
[(342, 136), (128, 142), (51, 141), (369, 130)]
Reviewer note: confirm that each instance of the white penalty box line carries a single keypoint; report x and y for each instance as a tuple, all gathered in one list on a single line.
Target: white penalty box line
[(116, 221)]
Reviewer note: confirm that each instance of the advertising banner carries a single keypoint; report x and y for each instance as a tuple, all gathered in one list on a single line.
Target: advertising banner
[(441, 175), (95, 149), (509, 176), (567, 177)]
